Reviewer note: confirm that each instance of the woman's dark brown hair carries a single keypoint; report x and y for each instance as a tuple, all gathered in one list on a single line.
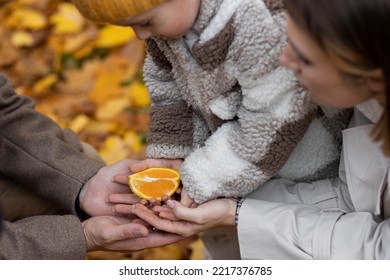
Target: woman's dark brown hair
[(355, 34)]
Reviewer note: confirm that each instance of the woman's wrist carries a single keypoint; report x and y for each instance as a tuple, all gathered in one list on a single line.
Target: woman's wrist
[(231, 217)]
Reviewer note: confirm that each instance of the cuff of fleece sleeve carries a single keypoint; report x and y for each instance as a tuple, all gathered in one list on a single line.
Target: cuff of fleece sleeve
[(167, 151)]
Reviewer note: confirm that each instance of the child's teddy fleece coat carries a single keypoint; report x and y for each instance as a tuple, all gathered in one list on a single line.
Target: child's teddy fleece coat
[(221, 101)]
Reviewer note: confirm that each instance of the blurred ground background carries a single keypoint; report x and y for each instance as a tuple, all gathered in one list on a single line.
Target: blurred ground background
[(87, 77)]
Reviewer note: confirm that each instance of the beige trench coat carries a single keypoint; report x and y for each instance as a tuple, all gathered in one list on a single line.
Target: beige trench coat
[(342, 218)]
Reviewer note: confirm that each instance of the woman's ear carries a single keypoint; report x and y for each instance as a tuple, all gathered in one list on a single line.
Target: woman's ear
[(375, 81)]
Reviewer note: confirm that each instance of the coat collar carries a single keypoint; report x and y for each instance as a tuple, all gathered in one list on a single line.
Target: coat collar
[(371, 109), (208, 10)]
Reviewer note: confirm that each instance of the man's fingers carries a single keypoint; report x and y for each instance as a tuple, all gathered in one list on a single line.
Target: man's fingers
[(125, 209), (133, 230), (142, 165), (121, 179), (128, 198)]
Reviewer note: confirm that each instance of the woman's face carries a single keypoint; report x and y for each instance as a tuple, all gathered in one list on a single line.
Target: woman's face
[(316, 72)]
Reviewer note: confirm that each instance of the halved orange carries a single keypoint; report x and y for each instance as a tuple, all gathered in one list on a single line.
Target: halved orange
[(154, 182)]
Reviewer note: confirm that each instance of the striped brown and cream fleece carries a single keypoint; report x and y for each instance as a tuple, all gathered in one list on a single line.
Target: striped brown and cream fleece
[(221, 101)]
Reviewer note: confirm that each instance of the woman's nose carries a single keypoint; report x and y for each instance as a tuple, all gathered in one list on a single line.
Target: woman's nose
[(288, 60)]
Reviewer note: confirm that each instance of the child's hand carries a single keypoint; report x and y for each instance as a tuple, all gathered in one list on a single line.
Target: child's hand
[(186, 200), (153, 162), (165, 212)]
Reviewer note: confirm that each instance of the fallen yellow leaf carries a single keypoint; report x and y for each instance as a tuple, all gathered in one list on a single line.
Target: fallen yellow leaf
[(26, 18), (85, 50), (113, 36), (139, 95), (133, 140), (99, 128), (107, 85), (79, 40), (113, 150), (110, 109), (79, 123), (45, 83), (79, 80), (22, 39), (67, 19)]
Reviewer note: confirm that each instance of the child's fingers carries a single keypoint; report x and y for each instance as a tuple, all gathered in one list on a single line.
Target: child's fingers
[(185, 213), (165, 212), (193, 205), (185, 200), (154, 202), (144, 202)]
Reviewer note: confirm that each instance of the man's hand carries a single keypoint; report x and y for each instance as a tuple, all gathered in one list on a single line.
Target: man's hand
[(94, 195), (122, 234), (156, 162)]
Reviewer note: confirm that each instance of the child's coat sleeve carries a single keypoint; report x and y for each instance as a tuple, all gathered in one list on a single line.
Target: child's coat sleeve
[(175, 129)]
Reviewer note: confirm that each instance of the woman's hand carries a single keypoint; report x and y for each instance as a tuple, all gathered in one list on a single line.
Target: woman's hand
[(176, 218)]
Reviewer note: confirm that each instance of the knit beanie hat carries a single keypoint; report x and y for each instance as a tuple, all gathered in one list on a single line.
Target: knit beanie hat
[(113, 10)]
